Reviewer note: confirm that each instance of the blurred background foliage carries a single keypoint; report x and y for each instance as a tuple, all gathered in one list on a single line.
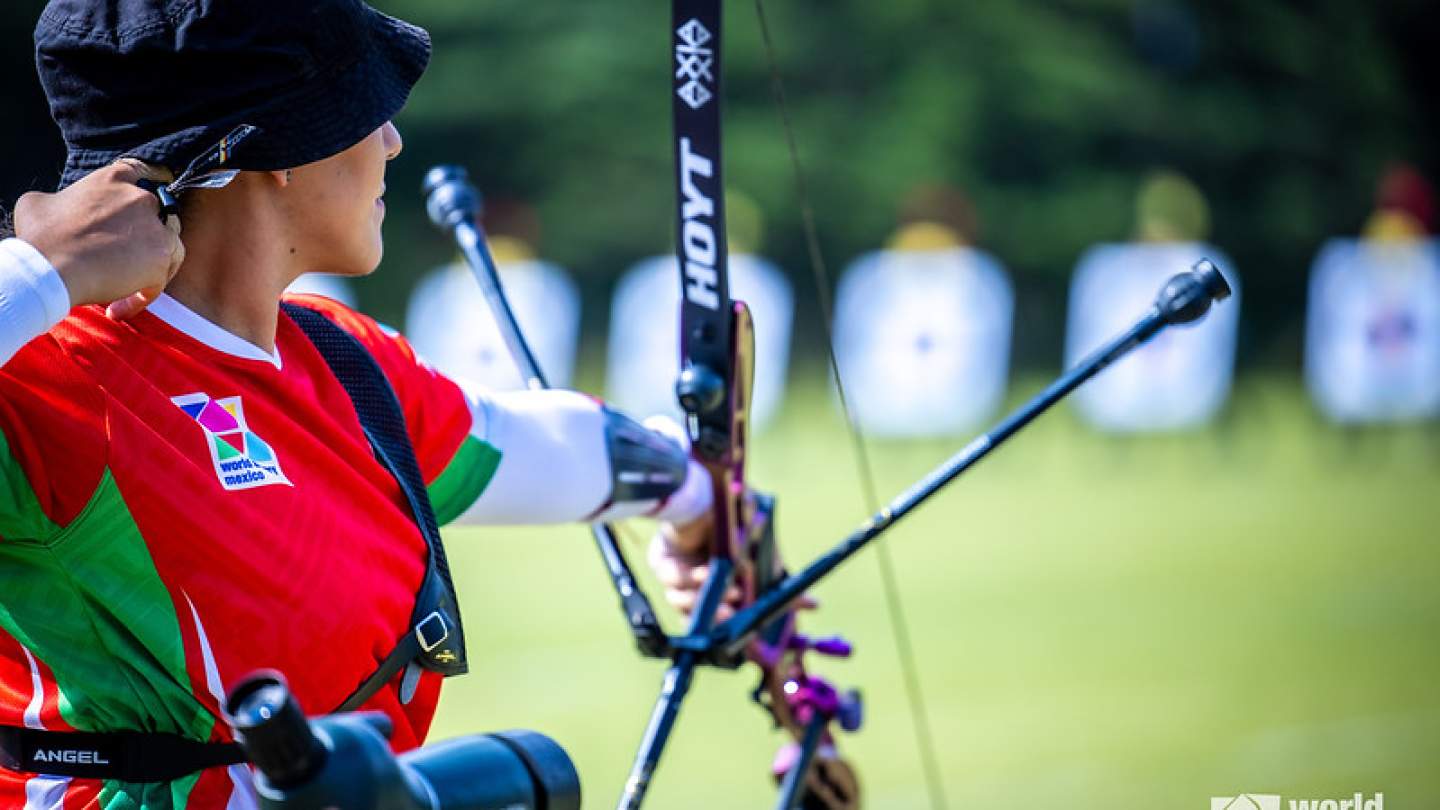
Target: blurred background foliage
[(1102, 622), (1047, 116)]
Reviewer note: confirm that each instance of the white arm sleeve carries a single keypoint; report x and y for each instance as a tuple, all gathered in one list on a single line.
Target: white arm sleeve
[(555, 463), (33, 297)]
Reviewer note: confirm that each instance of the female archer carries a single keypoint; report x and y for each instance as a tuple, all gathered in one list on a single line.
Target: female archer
[(194, 480)]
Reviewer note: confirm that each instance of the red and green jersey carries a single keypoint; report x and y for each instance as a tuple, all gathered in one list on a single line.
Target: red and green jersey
[(173, 516)]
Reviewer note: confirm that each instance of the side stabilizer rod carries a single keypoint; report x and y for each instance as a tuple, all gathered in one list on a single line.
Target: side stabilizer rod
[(453, 205)]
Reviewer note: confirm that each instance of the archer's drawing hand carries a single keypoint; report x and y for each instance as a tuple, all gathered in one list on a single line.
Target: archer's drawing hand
[(680, 557), (104, 236)]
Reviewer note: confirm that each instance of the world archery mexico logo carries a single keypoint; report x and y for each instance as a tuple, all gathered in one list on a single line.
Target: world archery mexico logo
[(242, 459)]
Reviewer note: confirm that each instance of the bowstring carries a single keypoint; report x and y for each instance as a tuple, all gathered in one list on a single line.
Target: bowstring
[(895, 609)]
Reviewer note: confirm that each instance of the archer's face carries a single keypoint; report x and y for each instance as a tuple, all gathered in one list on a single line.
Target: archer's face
[(335, 205)]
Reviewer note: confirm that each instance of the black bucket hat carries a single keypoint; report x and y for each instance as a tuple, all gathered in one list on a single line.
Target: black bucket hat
[(164, 80)]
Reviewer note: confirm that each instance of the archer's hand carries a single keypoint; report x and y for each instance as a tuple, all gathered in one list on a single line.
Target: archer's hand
[(104, 236), (680, 557)]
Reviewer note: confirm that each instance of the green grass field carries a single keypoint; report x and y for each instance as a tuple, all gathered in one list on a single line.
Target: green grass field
[(1100, 622)]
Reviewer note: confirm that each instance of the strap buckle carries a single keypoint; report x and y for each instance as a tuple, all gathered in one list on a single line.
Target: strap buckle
[(427, 630)]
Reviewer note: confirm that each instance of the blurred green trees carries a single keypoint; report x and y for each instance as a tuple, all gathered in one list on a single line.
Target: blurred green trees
[(1047, 115)]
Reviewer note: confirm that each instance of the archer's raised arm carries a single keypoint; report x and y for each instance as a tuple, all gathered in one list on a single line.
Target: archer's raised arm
[(99, 241)]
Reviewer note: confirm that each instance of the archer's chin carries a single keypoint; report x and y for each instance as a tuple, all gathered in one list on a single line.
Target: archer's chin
[(370, 263)]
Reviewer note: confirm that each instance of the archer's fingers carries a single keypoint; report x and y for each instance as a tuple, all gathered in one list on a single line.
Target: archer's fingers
[(685, 599), (132, 305), (135, 303), (177, 247), (129, 170), (675, 570), (688, 596), (674, 573), (682, 599)]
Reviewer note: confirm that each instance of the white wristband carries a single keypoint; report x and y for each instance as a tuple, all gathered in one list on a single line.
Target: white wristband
[(33, 297)]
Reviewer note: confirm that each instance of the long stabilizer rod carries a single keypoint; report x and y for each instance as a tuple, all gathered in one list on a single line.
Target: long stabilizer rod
[(1186, 298)]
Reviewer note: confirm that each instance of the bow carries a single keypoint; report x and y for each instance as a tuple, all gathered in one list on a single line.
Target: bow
[(717, 357), (717, 366)]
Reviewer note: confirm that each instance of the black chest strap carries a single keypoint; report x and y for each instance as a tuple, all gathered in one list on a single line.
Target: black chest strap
[(435, 639)]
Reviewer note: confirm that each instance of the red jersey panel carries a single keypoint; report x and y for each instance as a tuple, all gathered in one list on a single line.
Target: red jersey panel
[(173, 517)]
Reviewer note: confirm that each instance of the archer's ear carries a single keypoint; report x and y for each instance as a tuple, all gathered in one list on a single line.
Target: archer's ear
[(280, 176)]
